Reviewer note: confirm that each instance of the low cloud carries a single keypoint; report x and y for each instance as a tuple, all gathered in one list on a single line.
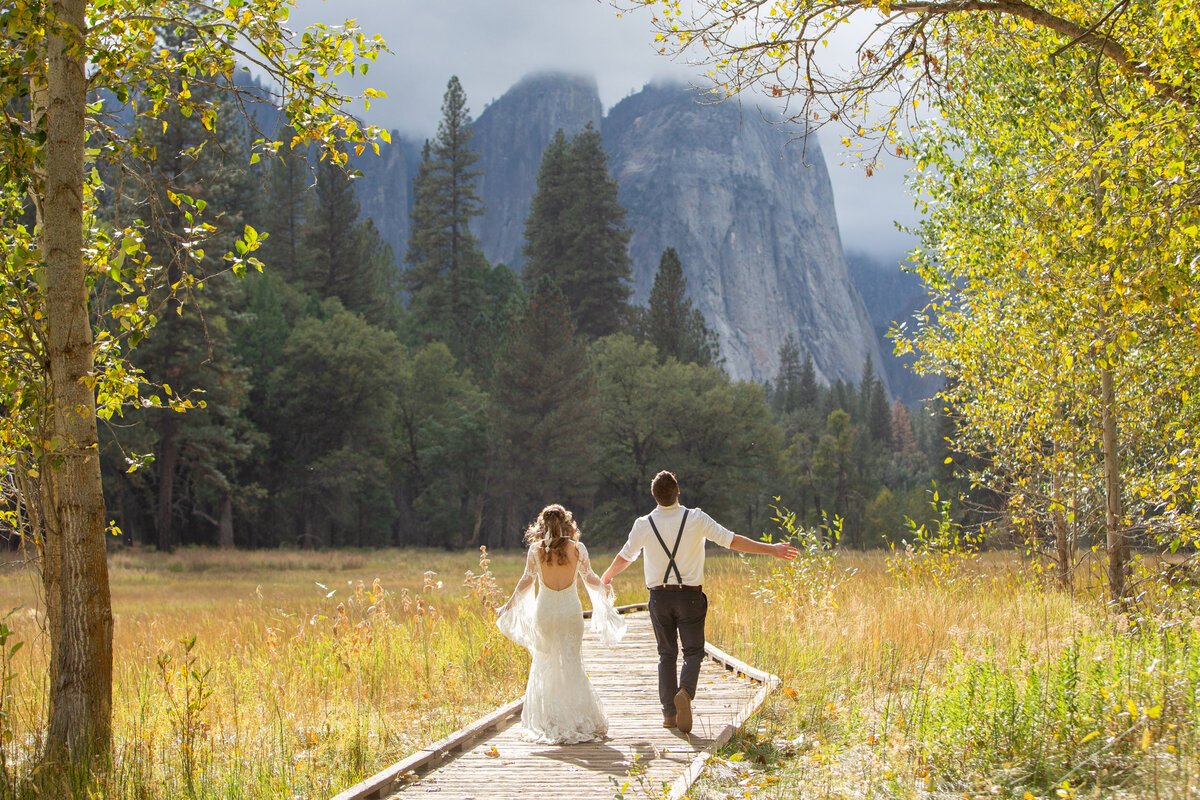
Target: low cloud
[(492, 44)]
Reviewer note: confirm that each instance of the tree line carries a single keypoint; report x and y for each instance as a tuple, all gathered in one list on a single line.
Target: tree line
[(339, 398)]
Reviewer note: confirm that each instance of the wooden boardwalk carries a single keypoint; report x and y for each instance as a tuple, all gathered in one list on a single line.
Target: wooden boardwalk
[(488, 760)]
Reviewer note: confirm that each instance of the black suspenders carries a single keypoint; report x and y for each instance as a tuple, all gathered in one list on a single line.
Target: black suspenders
[(671, 565)]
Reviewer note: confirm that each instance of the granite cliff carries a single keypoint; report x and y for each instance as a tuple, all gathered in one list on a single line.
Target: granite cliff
[(753, 220), (511, 134)]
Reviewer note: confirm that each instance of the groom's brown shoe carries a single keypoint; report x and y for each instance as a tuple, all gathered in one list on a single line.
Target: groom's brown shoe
[(683, 710), (668, 722)]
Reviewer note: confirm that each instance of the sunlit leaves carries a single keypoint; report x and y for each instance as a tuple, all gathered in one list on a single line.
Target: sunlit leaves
[(1060, 245), (904, 52)]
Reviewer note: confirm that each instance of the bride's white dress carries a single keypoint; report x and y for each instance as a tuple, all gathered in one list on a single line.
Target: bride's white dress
[(561, 706)]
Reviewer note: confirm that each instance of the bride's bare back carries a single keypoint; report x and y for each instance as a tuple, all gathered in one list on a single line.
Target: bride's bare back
[(556, 576)]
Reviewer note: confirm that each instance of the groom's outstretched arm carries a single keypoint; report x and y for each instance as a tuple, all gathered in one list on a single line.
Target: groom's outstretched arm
[(784, 550), (614, 569)]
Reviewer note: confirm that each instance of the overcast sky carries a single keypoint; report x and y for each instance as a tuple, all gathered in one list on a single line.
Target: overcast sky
[(491, 44)]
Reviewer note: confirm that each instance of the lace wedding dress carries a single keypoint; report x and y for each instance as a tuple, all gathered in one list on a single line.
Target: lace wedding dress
[(561, 706)]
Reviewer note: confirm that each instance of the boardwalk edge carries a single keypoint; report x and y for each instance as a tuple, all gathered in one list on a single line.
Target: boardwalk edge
[(382, 782), (769, 683)]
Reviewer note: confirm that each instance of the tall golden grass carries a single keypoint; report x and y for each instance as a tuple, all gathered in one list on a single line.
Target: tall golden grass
[(956, 675), (275, 674), (294, 674)]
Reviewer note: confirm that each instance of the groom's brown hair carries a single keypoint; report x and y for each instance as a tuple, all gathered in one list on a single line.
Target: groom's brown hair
[(665, 488)]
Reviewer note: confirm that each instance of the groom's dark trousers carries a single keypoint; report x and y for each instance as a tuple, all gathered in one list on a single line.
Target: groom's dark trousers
[(677, 614)]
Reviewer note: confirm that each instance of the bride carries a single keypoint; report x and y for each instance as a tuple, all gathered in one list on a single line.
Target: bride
[(561, 707)]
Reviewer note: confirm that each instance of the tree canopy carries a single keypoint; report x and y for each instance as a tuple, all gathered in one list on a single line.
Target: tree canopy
[(1059, 219), (906, 53)]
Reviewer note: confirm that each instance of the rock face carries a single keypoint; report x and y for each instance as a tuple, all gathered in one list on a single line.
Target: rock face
[(384, 192), (753, 220), (893, 296), (751, 216), (510, 135)]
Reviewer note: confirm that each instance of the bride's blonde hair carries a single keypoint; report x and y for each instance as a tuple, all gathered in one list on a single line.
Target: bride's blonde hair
[(550, 532)]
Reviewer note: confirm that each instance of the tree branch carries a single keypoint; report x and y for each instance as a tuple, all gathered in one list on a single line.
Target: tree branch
[(1101, 43)]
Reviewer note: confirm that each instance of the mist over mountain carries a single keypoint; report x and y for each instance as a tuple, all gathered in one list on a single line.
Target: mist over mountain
[(751, 216), (893, 296), (511, 134)]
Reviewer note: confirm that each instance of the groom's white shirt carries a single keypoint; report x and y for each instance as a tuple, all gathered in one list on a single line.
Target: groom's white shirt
[(690, 556)]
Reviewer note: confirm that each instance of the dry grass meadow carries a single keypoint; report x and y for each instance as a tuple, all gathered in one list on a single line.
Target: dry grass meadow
[(295, 674)]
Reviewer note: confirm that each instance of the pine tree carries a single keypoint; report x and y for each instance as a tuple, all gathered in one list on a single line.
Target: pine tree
[(345, 258), (547, 241), (786, 397), (545, 395), (192, 349), (576, 233), (447, 273), (807, 392), (879, 415), (673, 326), (282, 216), (873, 411), (865, 384), (426, 237), (843, 396)]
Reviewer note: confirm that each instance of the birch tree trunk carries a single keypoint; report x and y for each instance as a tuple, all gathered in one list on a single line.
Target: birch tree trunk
[(1117, 544), (74, 565), (1063, 545)]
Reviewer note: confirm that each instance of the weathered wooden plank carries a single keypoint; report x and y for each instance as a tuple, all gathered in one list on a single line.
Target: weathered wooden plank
[(496, 764)]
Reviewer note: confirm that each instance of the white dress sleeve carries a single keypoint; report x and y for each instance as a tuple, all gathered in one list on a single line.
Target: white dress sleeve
[(516, 617), (606, 622)]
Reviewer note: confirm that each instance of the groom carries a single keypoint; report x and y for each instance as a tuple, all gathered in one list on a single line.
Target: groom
[(672, 538)]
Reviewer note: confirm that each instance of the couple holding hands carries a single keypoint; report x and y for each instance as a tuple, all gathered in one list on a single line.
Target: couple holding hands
[(545, 616)]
